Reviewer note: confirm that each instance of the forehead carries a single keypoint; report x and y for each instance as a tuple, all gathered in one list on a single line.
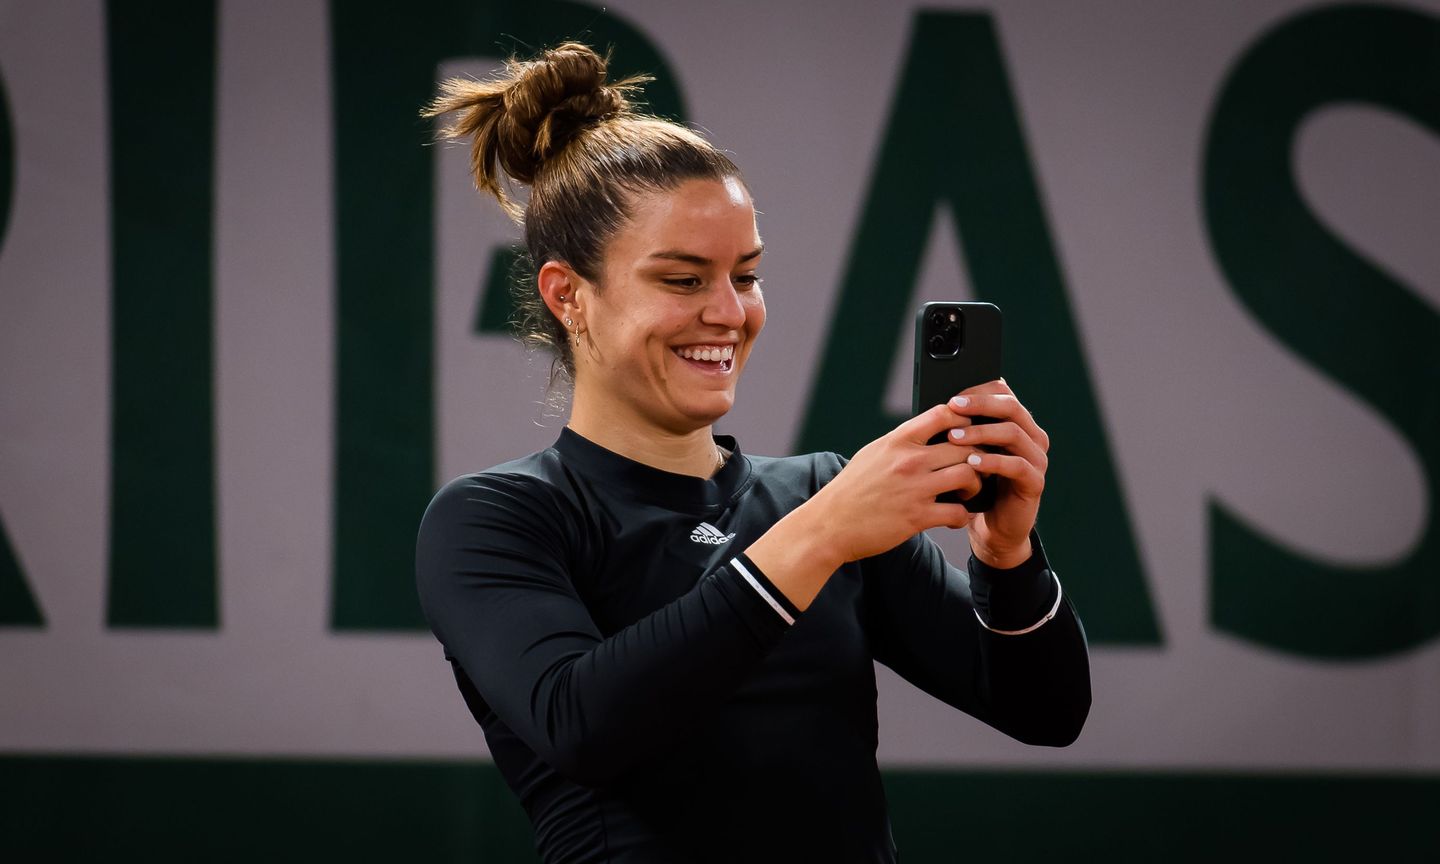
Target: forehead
[(711, 218)]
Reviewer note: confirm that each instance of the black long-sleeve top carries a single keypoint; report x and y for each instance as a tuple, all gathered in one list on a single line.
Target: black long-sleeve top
[(649, 695)]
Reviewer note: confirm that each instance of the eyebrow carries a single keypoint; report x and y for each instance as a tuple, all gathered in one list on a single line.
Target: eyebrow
[(701, 260)]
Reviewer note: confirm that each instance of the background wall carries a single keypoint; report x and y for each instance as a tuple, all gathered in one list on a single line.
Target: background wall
[(249, 321)]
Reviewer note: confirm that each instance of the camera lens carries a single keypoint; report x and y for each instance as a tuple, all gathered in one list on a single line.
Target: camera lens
[(943, 329)]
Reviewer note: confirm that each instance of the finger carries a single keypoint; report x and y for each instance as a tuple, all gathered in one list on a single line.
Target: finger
[(927, 424), (1007, 435), (961, 421), (948, 515), (1002, 406), (1027, 422), (995, 385), (1026, 480), (956, 478), (945, 454)]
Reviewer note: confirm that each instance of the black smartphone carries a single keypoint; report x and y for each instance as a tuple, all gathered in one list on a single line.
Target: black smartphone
[(957, 345)]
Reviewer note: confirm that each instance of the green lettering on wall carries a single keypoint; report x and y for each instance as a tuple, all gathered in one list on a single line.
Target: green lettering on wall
[(1332, 306), (385, 68), (954, 139), (496, 309), (17, 605), (162, 484)]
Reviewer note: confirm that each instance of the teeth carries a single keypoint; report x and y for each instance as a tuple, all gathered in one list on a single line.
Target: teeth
[(708, 354)]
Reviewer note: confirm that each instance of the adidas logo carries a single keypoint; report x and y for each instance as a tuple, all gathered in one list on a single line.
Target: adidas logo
[(709, 534)]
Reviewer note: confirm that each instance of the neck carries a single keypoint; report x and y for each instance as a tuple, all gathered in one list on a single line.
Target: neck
[(691, 453)]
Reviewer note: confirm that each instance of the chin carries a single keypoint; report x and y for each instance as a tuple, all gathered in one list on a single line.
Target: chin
[(709, 412)]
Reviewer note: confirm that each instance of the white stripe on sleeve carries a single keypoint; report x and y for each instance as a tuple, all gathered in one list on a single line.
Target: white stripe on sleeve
[(760, 589)]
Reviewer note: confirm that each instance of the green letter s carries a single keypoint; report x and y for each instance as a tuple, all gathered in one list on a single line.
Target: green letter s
[(1332, 307)]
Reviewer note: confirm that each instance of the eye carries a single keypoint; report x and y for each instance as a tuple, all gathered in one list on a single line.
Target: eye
[(686, 283), (747, 281)]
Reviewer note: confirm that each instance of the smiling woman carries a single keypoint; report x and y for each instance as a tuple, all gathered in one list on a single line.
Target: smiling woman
[(669, 643), (669, 334)]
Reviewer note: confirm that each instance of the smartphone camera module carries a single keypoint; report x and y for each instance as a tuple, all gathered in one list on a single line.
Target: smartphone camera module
[(943, 331)]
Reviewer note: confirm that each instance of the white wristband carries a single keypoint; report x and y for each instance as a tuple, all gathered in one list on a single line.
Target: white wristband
[(1038, 624)]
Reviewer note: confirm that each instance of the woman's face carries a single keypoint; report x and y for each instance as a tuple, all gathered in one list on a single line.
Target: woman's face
[(678, 310)]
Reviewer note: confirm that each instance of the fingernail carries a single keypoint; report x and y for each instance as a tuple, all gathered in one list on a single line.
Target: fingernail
[(957, 434), (973, 459), (960, 401)]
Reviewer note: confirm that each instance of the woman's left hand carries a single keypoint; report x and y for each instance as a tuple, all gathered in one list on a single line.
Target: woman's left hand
[(1000, 536)]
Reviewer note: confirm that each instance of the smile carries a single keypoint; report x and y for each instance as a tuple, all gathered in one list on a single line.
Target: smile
[(716, 358)]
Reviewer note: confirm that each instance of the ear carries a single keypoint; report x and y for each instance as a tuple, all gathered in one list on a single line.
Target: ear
[(563, 290)]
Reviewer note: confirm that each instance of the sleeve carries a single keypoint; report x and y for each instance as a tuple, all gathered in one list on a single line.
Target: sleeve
[(493, 578), (925, 622)]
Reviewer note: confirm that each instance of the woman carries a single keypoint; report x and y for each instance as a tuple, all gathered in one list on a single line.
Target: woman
[(667, 642)]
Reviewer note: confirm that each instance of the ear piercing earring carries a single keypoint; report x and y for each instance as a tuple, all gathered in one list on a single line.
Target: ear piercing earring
[(569, 322)]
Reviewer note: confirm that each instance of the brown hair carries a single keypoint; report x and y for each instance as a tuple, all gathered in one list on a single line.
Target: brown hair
[(557, 125)]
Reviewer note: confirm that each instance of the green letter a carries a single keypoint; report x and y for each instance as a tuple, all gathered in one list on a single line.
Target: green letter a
[(954, 139)]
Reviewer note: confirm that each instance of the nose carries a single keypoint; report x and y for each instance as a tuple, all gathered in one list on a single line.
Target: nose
[(723, 307)]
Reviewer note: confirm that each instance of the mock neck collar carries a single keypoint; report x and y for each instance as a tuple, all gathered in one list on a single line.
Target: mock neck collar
[(682, 492)]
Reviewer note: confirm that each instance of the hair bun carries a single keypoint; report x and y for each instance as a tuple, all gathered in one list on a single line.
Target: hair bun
[(529, 113), (551, 98)]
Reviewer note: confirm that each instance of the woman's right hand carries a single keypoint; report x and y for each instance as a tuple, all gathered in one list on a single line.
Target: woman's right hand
[(886, 494)]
